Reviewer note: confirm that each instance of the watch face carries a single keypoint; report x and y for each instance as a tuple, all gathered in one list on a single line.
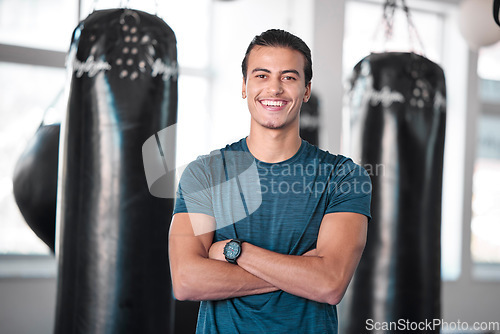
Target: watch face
[(232, 250)]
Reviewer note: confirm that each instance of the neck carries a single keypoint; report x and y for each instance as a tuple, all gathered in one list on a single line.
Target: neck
[(273, 145)]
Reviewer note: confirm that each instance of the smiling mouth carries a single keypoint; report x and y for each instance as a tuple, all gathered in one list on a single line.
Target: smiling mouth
[(273, 103)]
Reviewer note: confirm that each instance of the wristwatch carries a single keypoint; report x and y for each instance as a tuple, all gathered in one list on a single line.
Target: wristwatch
[(232, 250)]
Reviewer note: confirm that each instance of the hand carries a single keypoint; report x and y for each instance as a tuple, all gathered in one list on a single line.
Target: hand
[(216, 251)]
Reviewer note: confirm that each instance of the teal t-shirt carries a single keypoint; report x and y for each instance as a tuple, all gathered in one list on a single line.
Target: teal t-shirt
[(276, 206)]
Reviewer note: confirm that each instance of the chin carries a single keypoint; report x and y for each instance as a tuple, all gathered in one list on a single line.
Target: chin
[(273, 125)]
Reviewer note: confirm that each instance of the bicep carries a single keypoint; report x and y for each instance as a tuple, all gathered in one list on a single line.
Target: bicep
[(191, 234), (342, 238), (187, 251)]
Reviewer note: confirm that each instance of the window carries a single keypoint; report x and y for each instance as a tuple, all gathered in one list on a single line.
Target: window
[(486, 190), (26, 94), (31, 79), (485, 222), (32, 75), (33, 24), (361, 39), (25, 97)]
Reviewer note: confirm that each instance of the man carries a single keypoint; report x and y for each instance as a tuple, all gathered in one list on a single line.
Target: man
[(267, 232)]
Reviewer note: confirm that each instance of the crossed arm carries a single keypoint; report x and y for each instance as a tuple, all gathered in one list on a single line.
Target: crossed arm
[(200, 272)]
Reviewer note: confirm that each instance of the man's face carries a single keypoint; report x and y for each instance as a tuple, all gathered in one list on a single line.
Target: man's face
[(275, 86)]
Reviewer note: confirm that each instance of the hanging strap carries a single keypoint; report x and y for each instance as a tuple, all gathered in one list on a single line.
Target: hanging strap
[(412, 31), (496, 9), (387, 21), (50, 109), (125, 4)]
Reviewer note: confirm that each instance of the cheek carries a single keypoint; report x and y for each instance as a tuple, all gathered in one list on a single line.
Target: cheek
[(253, 91), (299, 93)]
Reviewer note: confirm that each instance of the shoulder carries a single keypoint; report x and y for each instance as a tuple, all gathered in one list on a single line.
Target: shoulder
[(314, 152), (339, 165), (211, 163), (237, 146), (346, 166)]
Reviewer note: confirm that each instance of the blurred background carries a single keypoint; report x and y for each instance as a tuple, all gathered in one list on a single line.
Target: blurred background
[(212, 37)]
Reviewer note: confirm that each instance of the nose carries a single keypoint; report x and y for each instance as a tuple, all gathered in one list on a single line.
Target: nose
[(275, 87)]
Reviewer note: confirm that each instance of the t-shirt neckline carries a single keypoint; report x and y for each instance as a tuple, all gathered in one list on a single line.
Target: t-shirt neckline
[(287, 161)]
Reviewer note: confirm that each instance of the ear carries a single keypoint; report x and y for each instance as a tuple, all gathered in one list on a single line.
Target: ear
[(307, 94), (244, 89)]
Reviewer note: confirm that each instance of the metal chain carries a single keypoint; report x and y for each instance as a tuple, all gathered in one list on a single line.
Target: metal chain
[(388, 17), (412, 30), (125, 4), (387, 22)]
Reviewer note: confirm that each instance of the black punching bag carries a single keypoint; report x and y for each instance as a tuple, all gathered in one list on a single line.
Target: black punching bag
[(309, 120), (397, 112), (35, 182), (111, 232), (496, 11)]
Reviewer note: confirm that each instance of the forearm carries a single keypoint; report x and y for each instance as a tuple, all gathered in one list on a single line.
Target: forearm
[(194, 275), (207, 279), (309, 276), (304, 276)]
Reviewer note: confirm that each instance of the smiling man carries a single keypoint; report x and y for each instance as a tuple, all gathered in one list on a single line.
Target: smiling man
[(267, 232)]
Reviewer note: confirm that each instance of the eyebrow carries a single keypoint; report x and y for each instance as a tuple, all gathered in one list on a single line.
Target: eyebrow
[(282, 72)]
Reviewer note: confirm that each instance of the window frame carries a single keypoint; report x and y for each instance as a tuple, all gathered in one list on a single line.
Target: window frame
[(23, 265), (17, 265), (481, 271)]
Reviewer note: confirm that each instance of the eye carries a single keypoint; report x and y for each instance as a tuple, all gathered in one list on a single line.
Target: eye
[(261, 76), (288, 77)]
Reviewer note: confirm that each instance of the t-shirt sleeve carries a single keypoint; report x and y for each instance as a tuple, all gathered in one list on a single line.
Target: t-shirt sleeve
[(350, 189), (194, 190)]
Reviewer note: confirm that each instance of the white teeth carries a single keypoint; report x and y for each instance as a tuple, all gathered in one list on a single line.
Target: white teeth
[(273, 103)]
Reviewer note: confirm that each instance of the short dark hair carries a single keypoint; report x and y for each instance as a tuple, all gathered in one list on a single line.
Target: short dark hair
[(280, 38)]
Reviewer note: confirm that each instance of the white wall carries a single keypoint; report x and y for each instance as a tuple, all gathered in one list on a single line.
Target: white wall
[(27, 305)]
